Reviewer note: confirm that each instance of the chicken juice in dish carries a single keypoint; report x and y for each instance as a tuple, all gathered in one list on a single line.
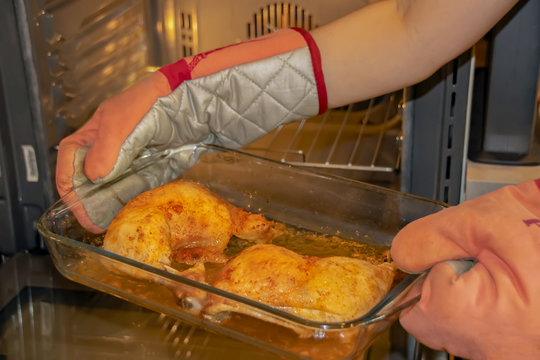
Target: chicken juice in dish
[(183, 228)]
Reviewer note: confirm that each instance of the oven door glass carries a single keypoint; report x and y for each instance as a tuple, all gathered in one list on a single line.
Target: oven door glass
[(45, 316)]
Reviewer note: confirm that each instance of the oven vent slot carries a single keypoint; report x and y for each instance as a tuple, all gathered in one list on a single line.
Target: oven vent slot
[(186, 31), (277, 16)]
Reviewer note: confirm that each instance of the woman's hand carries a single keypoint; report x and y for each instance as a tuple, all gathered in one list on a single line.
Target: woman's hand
[(491, 311)]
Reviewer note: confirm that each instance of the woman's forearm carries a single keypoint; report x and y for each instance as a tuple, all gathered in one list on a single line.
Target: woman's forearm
[(392, 44)]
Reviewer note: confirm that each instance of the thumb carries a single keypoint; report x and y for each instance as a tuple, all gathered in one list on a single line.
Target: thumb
[(67, 163), (481, 225), (117, 119), (427, 241)]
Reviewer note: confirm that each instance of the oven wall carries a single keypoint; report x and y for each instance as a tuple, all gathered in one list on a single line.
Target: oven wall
[(25, 177), (435, 132)]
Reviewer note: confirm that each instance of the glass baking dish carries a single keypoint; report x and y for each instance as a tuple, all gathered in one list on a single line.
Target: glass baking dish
[(357, 212)]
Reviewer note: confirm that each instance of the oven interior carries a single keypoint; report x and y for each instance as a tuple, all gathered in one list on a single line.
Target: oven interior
[(90, 50)]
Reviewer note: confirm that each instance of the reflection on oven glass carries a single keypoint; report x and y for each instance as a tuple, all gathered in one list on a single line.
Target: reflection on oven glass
[(46, 323)]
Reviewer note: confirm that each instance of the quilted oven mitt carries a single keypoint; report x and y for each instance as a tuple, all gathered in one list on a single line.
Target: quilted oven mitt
[(229, 96), (491, 311)]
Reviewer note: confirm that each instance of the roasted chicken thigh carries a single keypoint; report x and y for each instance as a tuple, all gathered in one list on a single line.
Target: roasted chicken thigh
[(330, 289), (181, 221)]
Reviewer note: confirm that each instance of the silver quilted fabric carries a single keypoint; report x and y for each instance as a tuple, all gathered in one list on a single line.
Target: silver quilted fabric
[(230, 108)]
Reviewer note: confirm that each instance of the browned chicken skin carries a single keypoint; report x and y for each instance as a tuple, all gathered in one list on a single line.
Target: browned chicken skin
[(331, 289), (181, 221)]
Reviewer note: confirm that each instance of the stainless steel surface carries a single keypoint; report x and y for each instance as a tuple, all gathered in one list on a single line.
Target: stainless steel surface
[(87, 51)]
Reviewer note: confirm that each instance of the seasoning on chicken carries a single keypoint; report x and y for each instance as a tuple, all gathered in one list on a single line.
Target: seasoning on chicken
[(331, 289), (184, 222)]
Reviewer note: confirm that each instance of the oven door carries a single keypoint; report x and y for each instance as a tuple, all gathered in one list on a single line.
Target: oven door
[(45, 316)]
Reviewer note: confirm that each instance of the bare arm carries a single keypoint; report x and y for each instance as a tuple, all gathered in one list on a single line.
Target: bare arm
[(392, 44)]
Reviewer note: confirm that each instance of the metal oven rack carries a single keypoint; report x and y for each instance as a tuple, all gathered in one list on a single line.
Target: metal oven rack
[(360, 141)]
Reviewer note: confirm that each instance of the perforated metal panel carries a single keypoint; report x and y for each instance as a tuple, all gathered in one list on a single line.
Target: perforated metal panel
[(276, 16), (436, 120)]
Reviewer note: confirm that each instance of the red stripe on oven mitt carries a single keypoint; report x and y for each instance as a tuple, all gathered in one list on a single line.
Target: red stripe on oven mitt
[(112, 136), (491, 311)]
